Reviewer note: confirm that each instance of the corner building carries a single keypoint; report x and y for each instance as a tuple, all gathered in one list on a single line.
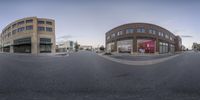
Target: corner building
[(29, 35), (142, 38)]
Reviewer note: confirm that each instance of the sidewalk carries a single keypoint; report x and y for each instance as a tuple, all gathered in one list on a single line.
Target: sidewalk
[(143, 57), (41, 54), (139, 60)]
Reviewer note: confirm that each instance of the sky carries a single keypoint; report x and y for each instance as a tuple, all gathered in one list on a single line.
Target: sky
[(87, 21)]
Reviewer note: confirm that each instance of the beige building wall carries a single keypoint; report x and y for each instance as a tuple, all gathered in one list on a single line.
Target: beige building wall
[(8, 35)]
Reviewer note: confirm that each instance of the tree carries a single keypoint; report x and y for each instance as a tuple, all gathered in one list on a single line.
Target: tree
[(102, 48), (76, 46)]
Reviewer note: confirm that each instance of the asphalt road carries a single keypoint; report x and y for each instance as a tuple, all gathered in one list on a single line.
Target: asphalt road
[(87, 76)]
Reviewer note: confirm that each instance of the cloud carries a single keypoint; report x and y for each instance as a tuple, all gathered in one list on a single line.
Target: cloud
[(65, 37), (186, 36)]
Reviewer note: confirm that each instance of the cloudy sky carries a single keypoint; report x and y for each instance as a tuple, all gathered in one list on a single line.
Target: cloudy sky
[(87, 21)]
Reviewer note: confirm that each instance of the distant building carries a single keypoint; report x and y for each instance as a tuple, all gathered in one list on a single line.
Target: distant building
[(183, 48), (178, 43), (65, 46), (86, 47), (1, 49), (196, 46)]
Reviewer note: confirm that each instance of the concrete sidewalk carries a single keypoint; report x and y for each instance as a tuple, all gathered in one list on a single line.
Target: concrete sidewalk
[(141, 57), (139, 60)]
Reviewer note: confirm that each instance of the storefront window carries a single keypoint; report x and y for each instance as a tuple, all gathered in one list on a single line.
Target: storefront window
[(110, 47), (146, 46), (45, 45), (172, 48), (124, 46), (163, 47)]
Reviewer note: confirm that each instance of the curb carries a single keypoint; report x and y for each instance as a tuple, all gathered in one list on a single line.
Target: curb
[(148, 62)]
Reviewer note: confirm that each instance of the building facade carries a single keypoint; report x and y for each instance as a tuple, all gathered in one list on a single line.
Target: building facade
[(142, 38), (196, 47), (29, 35), (86, 47), (65, 46)]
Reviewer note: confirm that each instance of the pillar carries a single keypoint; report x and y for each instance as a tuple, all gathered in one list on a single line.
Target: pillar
[(134, 50), (157, 46)]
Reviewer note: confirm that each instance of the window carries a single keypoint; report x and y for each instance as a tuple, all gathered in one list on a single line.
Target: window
[(125, 46), (40, 22), (49, 23), (22, 41), (29, 27), (166, 36), (45, 45), (119, 33), (128, 31), (172, 48), (171, 38), (108, 37), (20, 23), (113, 35), (154, 32), (14, 32), (163, 47), (29, 21), (8, 29), (14, 25), (22, 45), (160, 34), (45, 40), (9, 34), (41, 29), (140, 30), (48, 29), (151, 31), (21, 29)]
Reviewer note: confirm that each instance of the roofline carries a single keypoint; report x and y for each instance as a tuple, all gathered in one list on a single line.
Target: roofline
[(140, 23), (22, 19)]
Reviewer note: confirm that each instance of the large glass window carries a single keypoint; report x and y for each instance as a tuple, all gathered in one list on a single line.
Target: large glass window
[(171, 38), (110, 47), (49, 29), (113, 35), (29, 21), (119, 33), (40, 22), (166, 36), (14, 32), (146, 45), (14, 25), (108, 37), (45, 45), (22, 45), (140, 30), (29, 27), (48, 22), (124, 46), (20, 23), (151, 31), (21, 29), (172, 48), (41, 28), (129, 31), (161, 34), (163, 47)]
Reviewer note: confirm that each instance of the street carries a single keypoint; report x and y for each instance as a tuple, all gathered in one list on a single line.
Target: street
[(87, 76)]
